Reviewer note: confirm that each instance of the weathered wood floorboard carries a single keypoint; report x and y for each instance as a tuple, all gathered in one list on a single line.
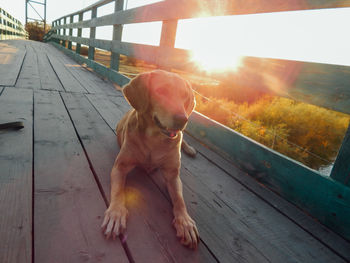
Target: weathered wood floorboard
[(69, 82), (304, 221), (151, 237), (16, 177), (68, 205), (48, 77), (29, 75), (91, 82), (12, 53), (270, 231)]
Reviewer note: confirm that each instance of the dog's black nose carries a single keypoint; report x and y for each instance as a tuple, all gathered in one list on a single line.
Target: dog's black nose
[(180, 120)]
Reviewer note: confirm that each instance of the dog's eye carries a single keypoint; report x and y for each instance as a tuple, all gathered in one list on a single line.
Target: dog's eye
[(162, 91)]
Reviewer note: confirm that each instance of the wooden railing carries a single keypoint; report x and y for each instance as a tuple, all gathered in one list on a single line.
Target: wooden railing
[(326, 198), (10, 27)]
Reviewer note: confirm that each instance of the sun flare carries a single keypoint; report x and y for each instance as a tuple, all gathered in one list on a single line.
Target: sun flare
[(218, 61)]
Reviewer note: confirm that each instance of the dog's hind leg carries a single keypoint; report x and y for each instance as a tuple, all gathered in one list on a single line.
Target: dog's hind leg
[(188, 149)]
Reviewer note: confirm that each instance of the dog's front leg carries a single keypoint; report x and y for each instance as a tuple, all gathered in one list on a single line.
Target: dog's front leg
[(185, 226), (115, 216)]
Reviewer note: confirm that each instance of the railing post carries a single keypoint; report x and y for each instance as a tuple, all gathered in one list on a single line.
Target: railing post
[(167, 39), (78, 47), (70, 33), (64, 31), (91, 54), (117, 35), (59, 31), (341, 168)]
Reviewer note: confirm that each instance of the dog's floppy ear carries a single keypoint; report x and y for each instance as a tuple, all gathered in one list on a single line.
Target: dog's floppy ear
[(137, 92), (192, 100)]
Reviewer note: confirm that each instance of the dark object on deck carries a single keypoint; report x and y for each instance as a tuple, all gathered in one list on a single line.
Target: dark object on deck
[(17, 125)]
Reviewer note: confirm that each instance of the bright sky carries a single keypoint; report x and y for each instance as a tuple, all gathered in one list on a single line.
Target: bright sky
[(315, 35)]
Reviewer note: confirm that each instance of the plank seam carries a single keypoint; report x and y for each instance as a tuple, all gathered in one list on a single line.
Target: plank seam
[(33, 185), (69, 72), (167, 198), (56, 73), (275, 207), (121, 237), (20, 69), (39, 75)]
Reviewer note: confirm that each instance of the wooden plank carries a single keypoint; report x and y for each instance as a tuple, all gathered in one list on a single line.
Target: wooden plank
[(11, 59), (328, 203), (303, 220), (97, 67), (29, 75), (70, 33), (68, 204), (242, 227), (184, 9), (87, 79), (167, 38), (48, 77), (78, 46), (341, 168), (111, 109), (150, 215), (117, 36), (91, 52), (16, 177), (67, 80)]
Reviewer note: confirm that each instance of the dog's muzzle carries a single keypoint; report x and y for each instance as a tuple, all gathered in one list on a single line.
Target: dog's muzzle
[(171, 133)]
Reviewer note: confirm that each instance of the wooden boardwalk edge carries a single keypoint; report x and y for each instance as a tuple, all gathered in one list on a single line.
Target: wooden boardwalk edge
[(16, 162)]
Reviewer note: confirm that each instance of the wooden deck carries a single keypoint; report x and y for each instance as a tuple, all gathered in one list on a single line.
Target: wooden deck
[(54, 182)]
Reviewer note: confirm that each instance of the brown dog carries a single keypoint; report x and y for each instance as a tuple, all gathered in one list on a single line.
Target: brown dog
[(150, 135)]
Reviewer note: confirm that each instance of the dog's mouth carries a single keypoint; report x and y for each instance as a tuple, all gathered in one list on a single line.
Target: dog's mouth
[(171, 133)]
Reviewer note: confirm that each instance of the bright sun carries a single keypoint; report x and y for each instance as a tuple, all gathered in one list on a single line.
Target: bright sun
[(218, 61), (211, 47)]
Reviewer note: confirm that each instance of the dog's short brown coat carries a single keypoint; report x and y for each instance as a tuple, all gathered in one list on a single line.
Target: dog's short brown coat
[(150, 135)]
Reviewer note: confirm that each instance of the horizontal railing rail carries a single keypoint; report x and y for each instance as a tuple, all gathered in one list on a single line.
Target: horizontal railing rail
[(10, 27), (326, 198)]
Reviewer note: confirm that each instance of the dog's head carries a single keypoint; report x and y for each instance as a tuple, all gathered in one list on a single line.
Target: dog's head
[(163, 97)]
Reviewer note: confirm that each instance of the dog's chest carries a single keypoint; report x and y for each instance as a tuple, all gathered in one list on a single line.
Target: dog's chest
[(154, 156), (153, 159)]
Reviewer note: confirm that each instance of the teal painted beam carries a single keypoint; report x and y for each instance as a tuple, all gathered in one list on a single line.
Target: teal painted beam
[(70, 33), (78, 46), (117, 35), (324, 198), (91, 54), (341, 168)]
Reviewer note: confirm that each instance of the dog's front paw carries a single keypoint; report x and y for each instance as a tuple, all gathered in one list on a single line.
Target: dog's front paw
[(186, 229), (115, 221)]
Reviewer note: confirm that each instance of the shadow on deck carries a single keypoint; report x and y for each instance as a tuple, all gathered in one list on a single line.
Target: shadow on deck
[(54, 182)]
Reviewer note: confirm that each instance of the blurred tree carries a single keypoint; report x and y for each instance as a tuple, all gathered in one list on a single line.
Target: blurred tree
[(36, 30)]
